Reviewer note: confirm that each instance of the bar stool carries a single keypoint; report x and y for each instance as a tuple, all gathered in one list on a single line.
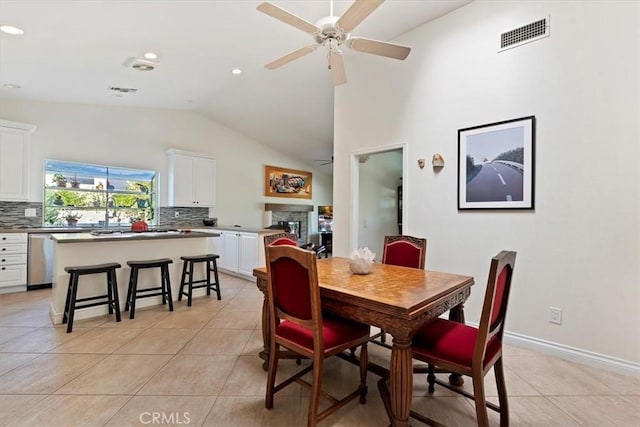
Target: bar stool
[(134, 293), (187, 270), (72, 292)]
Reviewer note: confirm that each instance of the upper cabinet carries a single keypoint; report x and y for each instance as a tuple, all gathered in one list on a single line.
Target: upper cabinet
[(14, 160), (192, 179)]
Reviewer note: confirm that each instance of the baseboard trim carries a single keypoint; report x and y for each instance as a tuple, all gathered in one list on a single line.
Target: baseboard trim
[(572, 354)]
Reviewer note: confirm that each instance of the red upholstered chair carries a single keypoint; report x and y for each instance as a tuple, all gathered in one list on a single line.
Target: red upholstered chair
[(298, 324), (471, 351), (281, 239), (406, 251)]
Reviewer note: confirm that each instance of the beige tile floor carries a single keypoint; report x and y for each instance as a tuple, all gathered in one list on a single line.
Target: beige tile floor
[(198, 366)]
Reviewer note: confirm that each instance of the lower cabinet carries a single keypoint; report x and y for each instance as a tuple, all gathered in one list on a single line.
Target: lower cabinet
[(13, 262), (240, 252)]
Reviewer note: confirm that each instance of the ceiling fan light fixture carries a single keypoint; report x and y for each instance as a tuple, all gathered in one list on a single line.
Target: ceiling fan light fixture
[(331, 32)]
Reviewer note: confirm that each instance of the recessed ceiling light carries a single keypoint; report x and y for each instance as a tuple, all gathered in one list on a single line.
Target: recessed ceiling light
[(236, 71), (150, 55), (10, 29), (12, 86)]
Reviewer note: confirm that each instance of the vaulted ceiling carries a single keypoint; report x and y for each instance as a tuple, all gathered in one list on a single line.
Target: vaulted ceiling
[(74, 51)]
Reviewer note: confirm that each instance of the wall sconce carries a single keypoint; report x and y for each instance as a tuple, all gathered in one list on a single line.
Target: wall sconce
[(421, 163), (437, 161)]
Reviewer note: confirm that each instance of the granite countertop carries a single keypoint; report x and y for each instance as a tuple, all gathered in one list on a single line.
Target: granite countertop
[(238, 229), (128, 236), (45, 230), (201, 227)]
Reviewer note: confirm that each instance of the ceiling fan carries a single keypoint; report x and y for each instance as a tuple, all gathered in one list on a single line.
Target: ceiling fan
[(333, 32), (325, 161)]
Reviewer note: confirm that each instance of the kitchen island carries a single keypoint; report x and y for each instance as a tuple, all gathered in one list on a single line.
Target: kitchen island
[(95, 248)]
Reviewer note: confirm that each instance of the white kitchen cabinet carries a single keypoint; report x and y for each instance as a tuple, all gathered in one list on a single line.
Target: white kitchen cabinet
[(230, 252), (240, 252), (192, 179), (14, 160), (248, 248), (13, 262)]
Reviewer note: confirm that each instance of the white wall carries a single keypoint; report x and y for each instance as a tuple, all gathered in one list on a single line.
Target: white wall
[(139, 138), (579, 250)]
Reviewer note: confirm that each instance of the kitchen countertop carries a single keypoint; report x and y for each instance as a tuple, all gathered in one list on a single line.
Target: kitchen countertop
[(128, 236), (202, 227), (238, 229)]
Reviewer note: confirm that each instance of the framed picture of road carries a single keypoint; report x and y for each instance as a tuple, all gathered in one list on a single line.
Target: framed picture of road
[(496, 165)]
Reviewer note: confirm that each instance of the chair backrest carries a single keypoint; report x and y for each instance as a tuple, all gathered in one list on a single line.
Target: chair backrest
[(281, 239), (407, 251), (496, 297), (292, 288)]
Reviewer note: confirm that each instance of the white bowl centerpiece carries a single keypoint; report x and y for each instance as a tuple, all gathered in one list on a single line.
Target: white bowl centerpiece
[(361, 261)]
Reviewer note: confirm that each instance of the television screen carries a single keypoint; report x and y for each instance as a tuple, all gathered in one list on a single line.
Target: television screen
[(325, 219)]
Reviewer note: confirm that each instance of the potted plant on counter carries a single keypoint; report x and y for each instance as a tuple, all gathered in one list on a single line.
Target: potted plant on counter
[(59, 179), (71, 218)]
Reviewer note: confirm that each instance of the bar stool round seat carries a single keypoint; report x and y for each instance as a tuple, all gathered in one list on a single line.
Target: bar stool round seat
[(187, 276), (110, 298), (164, 290)]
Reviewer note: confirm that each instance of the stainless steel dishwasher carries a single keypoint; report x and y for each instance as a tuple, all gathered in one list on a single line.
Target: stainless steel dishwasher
[(40, 261)]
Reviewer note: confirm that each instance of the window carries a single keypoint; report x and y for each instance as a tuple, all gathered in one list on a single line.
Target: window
[(93, 195)]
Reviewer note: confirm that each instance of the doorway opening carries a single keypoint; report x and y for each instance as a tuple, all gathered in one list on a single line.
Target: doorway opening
[(377, 190)]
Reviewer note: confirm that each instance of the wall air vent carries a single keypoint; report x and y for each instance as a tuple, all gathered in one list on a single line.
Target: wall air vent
[(525, 34)]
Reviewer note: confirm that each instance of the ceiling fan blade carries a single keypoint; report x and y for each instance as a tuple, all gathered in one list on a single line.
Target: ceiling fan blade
[(336, 65), (356, 13), (378, 48), (290, 57), (288, 18)]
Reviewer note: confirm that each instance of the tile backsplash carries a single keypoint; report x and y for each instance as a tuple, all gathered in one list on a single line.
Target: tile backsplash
[(186, 216), (12, 215)]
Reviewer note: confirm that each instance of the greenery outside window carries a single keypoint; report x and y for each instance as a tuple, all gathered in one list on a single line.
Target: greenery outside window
[(92, 195)]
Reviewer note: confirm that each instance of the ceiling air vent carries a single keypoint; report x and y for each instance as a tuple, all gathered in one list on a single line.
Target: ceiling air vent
[(114, 89), (525, 34)]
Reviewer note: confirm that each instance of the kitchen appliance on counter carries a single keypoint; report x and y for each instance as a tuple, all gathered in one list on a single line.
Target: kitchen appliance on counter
[(40, 261)]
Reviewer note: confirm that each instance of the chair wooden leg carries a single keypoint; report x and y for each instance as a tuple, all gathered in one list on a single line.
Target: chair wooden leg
[(480, 400), (316, 388), (502, 393), (431, 378), (271, 374), (364, 362)]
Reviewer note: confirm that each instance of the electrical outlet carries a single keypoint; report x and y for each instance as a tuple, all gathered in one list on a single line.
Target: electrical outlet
[(555, 315), (30, 212), (176, 214)]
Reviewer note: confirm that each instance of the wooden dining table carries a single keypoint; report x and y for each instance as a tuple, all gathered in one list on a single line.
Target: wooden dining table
[(396, 299)]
